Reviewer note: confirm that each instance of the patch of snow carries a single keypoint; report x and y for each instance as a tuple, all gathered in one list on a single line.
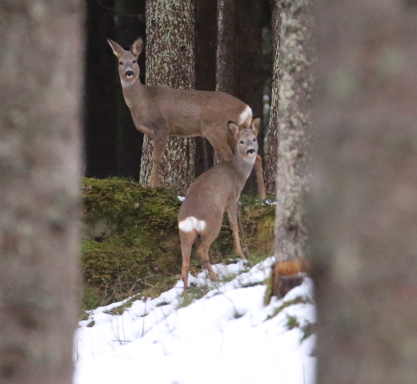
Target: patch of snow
[(227, 336)]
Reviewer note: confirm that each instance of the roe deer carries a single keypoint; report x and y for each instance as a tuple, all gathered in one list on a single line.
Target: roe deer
[(161, 112), (211, 194)]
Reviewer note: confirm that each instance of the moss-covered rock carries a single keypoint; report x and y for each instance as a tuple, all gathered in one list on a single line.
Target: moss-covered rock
[(131, 242)]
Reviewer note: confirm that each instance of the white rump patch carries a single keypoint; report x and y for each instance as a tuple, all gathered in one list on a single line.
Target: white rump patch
[(192, 224), (244, 115)]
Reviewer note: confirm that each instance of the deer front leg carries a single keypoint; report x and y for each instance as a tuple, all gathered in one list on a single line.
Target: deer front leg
[(232, 213), (159, 143)]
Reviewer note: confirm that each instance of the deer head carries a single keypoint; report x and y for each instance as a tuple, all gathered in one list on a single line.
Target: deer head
[(128, 60)]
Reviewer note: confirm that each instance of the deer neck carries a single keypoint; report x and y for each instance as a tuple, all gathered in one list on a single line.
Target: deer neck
[(243, 166), (131, 91)]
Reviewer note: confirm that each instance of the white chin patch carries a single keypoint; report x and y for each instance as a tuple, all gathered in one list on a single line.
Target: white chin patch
[(250, 157), (129, 76), (126, 84), (192, 224)]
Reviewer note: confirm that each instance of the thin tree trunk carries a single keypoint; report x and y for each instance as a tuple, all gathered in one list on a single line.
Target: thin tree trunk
[(249, 84), (226, 46), (100, 125), (40, 74), (130, 24), (271, 154), (294, 133), (364, 207), (205, 70), (170, 62)]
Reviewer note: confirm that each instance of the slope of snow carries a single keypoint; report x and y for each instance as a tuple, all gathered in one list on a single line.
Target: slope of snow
[(227, 336)]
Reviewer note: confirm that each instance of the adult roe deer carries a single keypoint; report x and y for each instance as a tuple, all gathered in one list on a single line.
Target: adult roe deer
[(212, 193), (161, 112)]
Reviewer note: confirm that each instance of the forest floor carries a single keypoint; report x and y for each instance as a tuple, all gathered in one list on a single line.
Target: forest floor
[(223, 334)]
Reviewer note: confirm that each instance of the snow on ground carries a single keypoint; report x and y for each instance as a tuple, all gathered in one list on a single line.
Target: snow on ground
[(227, 336)]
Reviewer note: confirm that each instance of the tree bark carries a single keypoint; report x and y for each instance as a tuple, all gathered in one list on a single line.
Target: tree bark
[(271, 153), (40, 74), (100, 124), (294, 131), (170, 62), (364, 205)]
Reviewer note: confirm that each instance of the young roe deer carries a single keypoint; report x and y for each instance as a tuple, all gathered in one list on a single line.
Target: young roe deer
[(161, 112), (213, 193)]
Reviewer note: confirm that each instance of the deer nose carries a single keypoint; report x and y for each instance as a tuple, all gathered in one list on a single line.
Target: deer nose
[(129, 73), (250, 151)]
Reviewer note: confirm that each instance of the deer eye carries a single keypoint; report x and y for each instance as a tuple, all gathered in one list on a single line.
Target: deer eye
[(121, 62), (254, 140), (134, 61), (242, 142)]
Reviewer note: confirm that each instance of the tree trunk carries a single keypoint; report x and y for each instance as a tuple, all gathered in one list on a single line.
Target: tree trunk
[(226, 47), (205, 70), (364, 210), (294, 133), (130, 24), (100, 125), (170, 62), (271, 153), (40, 75), (249, 84)]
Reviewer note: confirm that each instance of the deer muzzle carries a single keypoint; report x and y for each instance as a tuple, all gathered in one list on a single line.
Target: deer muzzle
[(129, 73), (250, 151)]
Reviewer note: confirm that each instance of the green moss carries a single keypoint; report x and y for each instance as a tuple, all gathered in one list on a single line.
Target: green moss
[(131, 243)]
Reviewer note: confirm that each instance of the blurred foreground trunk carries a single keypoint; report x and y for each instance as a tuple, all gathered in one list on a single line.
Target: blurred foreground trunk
[(365, 192), (40, 74)]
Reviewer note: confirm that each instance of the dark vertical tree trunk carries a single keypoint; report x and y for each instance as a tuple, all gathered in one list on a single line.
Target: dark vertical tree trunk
[(40, 76), (170, 62), (239, 57), (130, 24), (100, 125), (272, 136), (249, 83), (226, 47), (205, 69), (365, 196), (249, 72), (294, 132)]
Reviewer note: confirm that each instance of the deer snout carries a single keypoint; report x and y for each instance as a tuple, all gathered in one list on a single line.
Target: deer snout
[(129, 73), (250, 151)]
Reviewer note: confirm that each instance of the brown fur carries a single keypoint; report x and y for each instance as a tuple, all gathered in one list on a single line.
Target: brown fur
[(214, 192)]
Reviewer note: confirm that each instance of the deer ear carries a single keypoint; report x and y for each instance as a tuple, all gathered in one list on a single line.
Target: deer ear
[(255, 126), (233, 129), (116, 48), (137, 47)]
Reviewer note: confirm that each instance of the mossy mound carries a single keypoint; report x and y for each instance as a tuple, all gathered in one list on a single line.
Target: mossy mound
[(131, 242)]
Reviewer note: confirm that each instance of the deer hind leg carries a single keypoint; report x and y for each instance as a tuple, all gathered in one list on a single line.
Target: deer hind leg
[(259, 172), (232, 213), (203, 253), (187, 241), (158, 150), (221, 146)]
